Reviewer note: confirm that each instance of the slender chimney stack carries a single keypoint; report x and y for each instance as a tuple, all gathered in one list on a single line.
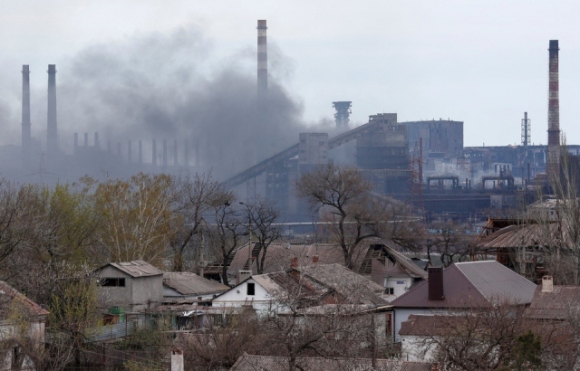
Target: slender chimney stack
[(140, 152), (154, 150), (26, 125), (164, 152), (97, 144), (185, 153), (129, 157), (553, 166), (262, 59), (175, 152), (52, 133)]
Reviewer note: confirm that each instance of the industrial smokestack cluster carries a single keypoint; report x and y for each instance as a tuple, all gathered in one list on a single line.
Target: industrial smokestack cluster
[(262, 58), (553, 165)]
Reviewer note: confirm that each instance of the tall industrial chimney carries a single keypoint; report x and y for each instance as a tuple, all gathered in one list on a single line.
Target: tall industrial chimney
[(553, 166), (26, 125), (262, 59), (52, 133), (154, 150)]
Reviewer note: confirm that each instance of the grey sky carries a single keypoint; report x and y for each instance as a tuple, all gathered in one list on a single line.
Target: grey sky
[(482, 62)]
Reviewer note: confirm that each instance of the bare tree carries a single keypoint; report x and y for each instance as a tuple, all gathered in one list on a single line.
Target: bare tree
[(342, 193), (262, 218), (197, 198), (226, 231), (483, 339), (449, 241)]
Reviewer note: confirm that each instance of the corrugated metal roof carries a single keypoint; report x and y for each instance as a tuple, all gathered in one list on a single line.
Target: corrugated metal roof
[(187, 283), (471, 285), (496, 282), (277, 363), (528, 235), (560, 304), (137, 268)]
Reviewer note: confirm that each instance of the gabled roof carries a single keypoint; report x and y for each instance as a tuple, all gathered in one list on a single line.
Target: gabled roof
[(248, 362), (560, 304), (313, 283), (281, 253), (187, 283), (471, 285), (9, 294), (136, 268), (345, 282)]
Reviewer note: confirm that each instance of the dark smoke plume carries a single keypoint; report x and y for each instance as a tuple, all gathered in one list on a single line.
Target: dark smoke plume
[(169, 87)]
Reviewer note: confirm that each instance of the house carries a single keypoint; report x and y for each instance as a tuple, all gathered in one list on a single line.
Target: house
[(419, 333), (460, 287), (392, 263), (554, 315), (395, 272), (134, 286), (312, 285), (533, 248), (248, 362), (22, 324), (189, 287)]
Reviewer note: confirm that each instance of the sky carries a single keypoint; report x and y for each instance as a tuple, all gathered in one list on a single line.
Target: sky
[(481, 62)]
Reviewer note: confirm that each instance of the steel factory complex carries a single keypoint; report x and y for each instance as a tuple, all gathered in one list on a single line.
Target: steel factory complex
[(421, 162)]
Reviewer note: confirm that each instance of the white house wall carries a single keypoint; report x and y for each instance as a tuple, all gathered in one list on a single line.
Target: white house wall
[(261, 301), (400, 286), (417, 349)]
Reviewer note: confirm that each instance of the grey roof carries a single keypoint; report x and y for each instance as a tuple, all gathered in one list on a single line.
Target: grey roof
[(472, 285), (314, 282), (497, 282), (277, 363), (346, 282), (187, 283), (136, 268)]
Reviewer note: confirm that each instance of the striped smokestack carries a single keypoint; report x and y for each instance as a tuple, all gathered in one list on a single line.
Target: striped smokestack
[(52, 133), (553, 166), (26, 125), (262, 58)]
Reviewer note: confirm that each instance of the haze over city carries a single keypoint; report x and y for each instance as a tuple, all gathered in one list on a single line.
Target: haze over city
[(119, 63)]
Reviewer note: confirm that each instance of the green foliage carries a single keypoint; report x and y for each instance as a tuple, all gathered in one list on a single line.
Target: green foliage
[(136, 217), (527, 352)]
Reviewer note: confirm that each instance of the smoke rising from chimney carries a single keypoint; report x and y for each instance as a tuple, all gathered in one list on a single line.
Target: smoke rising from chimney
[(169, 87)]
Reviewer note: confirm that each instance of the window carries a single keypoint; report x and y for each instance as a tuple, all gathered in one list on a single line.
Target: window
[(390, 291), (251, 289), (113, 282)]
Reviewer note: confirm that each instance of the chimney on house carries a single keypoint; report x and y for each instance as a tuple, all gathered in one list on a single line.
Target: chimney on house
[(294, 262), (435, 283), (177, 359), (315, 259), (547, 284)]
